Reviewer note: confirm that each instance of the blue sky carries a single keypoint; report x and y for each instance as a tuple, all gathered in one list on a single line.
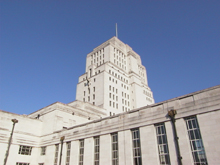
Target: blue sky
[(43, 46)]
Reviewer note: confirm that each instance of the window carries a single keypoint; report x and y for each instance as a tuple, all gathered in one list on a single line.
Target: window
[(43, 151), (68, 148), (109, 87), (136, 146), (114, 149), (116, 98), (109, 78), (110, 103), (198, 150), (40, 163), (117, 105), (116, 90), (88, 98), (22, 163), (109, 95), (162, 144), (56, 154), (84, 93), (93, 96), (93, 89), (96, 151), (25, 150), (81, 151)]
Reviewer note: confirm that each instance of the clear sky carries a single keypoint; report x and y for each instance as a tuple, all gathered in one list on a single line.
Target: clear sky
[(43, 46)]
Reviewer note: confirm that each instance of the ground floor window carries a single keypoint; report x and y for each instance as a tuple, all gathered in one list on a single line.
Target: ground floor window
[(162, 144), (195, 138), (22, 163), (136, 146)]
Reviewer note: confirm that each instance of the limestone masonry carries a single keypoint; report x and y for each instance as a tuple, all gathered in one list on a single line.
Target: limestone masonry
[(114, 121)]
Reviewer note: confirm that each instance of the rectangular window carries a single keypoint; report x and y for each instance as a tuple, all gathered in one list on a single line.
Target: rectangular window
[(40, 163), (93, 89), (93, 96), (110, 103), (43, 151), (88, 98), (162, 144), (136, 146), (25, 150), (198, 150), (56, 154), (22, 163), (68, 148), (114, 148), (81, 151), (96, 151)]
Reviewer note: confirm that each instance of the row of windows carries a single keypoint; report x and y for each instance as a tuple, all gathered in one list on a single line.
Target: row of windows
[(125, 95), (118, 52), (118, 76), (113, 80), (147, 93), (98, 62), (89, 91), (197, 148), (101, 51), (119, 64), (120, 59)]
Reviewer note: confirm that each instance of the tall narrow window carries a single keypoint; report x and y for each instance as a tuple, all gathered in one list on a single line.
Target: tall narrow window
[(93, 89), (115, 149), (136, 146), (198, 150), (96, 151), (68, 148), (81, 151), (43, 151), (162, 144), (56, 154)]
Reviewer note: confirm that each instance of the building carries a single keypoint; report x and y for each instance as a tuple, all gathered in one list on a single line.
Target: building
[(90, 130), (114, 79)]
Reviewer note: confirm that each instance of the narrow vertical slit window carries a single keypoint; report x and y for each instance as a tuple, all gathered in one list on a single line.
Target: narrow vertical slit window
[(68, 148), (96, 150), (81, 151), (114, 148), (195, 138), (162, 144), (56, 154), (136, 146)]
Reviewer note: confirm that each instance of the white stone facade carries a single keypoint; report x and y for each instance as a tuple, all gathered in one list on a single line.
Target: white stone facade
[(115, 79), (89, 131)]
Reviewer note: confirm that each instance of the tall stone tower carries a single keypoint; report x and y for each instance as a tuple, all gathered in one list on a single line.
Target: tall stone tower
[(114, 79)]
